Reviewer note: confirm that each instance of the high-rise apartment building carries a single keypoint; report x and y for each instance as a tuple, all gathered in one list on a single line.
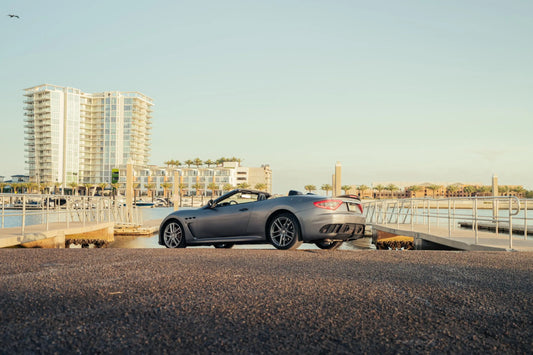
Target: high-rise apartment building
[(72, 136)]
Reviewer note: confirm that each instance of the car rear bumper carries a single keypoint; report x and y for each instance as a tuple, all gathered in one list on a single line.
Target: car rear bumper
[(334, 227)]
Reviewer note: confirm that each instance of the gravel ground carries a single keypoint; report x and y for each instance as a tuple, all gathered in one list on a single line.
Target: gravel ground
[(264, 301)]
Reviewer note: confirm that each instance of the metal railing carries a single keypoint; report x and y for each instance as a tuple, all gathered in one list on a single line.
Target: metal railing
[(22, 210), (498, 213)]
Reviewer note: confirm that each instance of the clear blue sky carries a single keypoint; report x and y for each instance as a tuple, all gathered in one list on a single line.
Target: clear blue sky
[(394, 90)]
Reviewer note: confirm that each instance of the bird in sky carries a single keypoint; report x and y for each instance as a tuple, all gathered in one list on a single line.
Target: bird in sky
[(11, 15)]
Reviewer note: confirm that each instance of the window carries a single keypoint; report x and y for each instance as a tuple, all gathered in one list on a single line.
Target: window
[(240, 198)]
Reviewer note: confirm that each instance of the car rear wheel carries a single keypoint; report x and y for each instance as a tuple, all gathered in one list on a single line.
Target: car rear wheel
[(224, 245), (328, 245), (284, 232), (173, 235)]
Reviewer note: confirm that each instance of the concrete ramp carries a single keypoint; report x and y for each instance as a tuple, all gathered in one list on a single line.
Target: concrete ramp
[(37, 236)]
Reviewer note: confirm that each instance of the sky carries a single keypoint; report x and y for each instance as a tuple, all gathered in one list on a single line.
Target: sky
[(416, 91)]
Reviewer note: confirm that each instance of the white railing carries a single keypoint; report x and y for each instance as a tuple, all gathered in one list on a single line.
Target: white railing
[(498, 213), (22, 210)]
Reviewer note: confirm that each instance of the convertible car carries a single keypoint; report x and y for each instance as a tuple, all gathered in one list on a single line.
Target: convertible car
[(248, 216)]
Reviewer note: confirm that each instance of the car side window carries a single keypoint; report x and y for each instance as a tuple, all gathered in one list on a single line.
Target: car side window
[(239, 199)]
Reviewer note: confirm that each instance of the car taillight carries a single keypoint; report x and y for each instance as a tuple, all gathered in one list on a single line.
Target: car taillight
[(328, 204), (360, 207)]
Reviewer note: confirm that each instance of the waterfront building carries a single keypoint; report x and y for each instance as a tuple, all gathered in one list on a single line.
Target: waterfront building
[(77, 137), (382, 190), (195, 181)]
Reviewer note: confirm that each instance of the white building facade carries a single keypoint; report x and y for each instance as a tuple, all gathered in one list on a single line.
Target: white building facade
[(206, 181), (77, 137)]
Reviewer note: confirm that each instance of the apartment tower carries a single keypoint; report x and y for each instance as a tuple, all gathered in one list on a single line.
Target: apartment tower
[(77, 137)]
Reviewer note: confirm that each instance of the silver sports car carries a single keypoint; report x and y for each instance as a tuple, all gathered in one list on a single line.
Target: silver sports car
[(248, 216)]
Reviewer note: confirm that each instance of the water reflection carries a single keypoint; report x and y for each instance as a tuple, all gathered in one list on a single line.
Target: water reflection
[(135, 242), (141, 242)]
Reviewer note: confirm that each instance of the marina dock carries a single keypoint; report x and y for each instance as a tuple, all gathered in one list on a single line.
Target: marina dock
[(460, 238)]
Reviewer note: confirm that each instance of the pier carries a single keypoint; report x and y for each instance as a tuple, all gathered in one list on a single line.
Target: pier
[(460, 239), (57, 235), (436, 223), (58, 221)]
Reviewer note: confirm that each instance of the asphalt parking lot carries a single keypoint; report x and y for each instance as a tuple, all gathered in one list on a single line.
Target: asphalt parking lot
[(264, 301)]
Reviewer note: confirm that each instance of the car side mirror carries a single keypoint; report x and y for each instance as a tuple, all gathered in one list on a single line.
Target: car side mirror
[(211, 204)]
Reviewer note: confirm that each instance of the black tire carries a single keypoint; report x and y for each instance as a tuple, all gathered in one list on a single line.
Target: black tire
[(223, 245), (173, 236), (328, 245), (284, 232)]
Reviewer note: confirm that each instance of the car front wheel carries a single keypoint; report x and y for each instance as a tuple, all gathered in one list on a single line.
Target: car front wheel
[(328, 245), (284, 232), (173, 235)]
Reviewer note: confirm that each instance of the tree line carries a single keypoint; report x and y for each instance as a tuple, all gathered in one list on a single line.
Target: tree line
[(199, 162), (451, 190), (33, 187)]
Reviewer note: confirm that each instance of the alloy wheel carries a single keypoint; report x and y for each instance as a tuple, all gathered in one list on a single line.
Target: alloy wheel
[(173, 235)]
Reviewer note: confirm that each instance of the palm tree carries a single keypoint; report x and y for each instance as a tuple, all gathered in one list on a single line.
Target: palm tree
[(102, 187), (14, 187), (243, 185), (151, 189), (168, 163), (197, 187), (469, 189), (414, 189), (166, 186), (504, 189), (32, 186), (261, 186), (220, 161), (181, 187), (228, 187), (310, 188), (392, 188), (189, 163), (115, 186), (2, 185), (434, 187), (198, 162), (519, 190), (452, 189), (209, 162), (74, 187), (346, 188), (57, 185), (362, 189), (213, 187), (87, 188), (380, 188), (482, 190), (326, 187), (136, 186)]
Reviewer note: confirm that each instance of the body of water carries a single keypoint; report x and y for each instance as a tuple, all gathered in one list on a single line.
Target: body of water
[(13, 218)]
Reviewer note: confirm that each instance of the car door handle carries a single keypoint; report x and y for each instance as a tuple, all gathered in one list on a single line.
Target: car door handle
[(243, 209)]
